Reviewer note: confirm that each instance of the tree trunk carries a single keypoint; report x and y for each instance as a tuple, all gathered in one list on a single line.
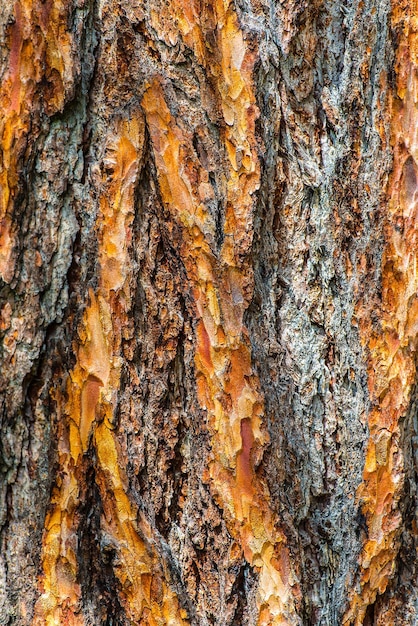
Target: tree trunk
[(209, 312)]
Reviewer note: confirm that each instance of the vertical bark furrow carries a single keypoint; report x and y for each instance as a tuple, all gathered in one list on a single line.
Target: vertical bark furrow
[(88, 420), (40, 136), (42, 76), (324, 127), (227, 387), (392, 347)]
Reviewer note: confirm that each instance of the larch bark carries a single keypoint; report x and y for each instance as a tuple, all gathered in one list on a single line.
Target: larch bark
[(208, 312)]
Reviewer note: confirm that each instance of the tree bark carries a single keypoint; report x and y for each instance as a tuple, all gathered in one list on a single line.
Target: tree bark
[(209, 312)]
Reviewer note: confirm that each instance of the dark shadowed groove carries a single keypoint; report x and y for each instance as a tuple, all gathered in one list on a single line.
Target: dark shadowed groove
[(99, 584)]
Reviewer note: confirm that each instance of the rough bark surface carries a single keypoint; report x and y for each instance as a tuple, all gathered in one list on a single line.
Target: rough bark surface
[(209, 312)]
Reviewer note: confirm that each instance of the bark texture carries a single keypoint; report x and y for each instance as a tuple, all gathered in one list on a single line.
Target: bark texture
[(209, 312)]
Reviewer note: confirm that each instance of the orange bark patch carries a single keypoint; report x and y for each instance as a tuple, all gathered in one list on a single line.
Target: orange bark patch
[(245, 471)]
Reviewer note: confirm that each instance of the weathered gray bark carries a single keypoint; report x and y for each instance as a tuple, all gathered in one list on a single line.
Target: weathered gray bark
[(198, 222)]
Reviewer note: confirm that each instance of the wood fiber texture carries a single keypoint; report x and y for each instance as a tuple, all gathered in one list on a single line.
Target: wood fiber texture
[(208, 312)]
